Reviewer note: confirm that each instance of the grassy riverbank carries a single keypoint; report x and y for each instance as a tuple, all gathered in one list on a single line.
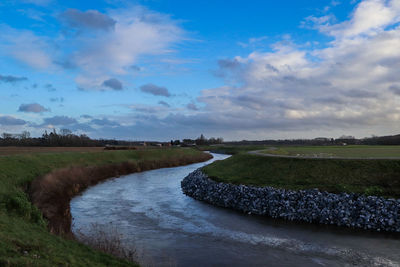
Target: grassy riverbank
[(371, 177), (24, 237)]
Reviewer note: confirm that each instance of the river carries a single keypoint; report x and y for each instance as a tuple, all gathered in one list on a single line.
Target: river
[(171, 229)]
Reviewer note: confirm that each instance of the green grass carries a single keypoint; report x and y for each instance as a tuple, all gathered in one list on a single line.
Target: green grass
[(21, 225), (26, 244), (354, 151), (232, 149), (371, 177)]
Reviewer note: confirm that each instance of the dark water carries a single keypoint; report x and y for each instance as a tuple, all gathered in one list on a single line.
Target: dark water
[(169, 228)]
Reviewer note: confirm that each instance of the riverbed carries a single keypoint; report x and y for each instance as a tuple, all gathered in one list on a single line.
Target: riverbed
[(171, 229)]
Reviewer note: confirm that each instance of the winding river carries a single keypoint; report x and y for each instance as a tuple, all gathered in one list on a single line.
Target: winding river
[(171, 229)]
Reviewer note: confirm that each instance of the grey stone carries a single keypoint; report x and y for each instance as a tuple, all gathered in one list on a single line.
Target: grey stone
[(351, 210)]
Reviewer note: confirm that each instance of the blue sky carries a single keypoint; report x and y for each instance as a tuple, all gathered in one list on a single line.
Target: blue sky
[(166, 70)]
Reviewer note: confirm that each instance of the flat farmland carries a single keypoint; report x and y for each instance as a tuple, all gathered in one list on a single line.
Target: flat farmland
[(353, 151), (12, 150)]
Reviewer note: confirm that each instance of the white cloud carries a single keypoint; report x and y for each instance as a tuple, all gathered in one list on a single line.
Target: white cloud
[(97, 45), (370, 17), (26, 47), (137, 32)]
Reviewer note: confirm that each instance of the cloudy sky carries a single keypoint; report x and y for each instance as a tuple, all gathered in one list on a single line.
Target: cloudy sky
[(164, 70)]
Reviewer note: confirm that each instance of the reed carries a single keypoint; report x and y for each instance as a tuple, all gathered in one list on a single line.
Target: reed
[(52, 192)]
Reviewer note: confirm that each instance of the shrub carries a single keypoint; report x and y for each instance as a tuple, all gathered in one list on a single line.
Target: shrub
[(17, 202)]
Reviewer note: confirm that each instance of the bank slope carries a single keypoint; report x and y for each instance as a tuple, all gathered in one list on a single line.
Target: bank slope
[(25, 239), (370, 177)]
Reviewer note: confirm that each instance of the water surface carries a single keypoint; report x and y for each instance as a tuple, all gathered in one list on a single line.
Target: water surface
[(169, 228)]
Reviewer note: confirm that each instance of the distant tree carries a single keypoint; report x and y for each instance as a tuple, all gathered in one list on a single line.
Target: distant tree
[(25, 135), (188, 141), (6, 135), (347, 137), (212, 140), (201, 140), (65, 132), (45, 135)]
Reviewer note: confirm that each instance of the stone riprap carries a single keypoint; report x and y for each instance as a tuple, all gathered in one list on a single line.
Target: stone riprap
[(314, 206)]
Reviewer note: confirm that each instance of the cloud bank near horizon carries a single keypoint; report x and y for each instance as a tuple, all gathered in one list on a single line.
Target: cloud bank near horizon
[(351, 83)]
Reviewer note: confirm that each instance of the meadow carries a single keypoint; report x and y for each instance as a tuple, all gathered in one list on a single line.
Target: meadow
[(232, 149), (25, 239), (353, 151), (379, 177)]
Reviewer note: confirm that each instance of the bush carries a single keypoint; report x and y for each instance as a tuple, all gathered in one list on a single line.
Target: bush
[(18, 203)]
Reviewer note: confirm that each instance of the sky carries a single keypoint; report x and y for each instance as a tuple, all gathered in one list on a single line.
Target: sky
[(162, 70)]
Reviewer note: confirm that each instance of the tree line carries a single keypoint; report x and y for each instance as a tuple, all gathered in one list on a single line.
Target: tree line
[(343, 140), (200, 141), (63, 138), (66, 138)]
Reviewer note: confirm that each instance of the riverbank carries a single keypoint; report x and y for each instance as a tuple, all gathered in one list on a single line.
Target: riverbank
[(313, 206), (370, 177), (25, 238), (358, 193)]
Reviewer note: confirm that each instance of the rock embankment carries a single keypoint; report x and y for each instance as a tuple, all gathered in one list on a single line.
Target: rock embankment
[(351, 210)]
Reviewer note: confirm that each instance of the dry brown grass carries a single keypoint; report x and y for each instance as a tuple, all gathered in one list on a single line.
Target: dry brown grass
[(53, 192), (107, 239)]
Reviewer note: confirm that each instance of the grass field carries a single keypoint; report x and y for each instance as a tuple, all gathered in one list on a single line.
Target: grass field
[(24, 238), (232, 149), (370, 177), (356, 151)]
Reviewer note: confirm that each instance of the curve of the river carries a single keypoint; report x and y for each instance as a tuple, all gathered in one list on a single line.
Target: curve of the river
[(169, 228)]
